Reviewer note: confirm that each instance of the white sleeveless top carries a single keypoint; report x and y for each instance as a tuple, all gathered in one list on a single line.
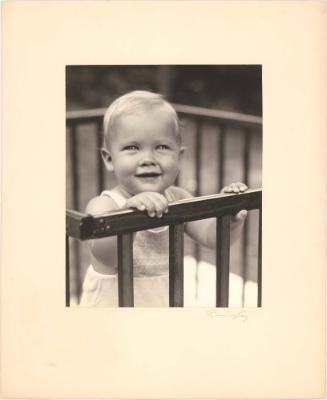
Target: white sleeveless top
[(151, 268), (150, 247)]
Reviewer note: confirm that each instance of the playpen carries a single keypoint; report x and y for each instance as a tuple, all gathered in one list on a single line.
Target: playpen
[(198, 125)]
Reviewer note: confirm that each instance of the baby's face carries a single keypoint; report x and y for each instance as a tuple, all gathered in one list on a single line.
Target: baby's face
[(145, 152)]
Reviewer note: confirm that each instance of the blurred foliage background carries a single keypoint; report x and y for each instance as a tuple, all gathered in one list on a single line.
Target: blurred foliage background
[(227, 87)]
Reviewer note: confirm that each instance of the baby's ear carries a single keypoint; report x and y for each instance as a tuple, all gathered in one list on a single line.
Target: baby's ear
[(181, 151), (106, 157)]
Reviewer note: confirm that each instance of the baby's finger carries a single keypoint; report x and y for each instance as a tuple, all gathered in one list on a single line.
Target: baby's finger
[(238, 187), (242, 187), (138, 204), (135, 203), (163, 201), (142, 203), (235, 188), (158, 202), (226, 189), (241, 215), (149, 206)]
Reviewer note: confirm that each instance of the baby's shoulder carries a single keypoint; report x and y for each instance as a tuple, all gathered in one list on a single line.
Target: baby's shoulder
[(178, 193), (101, 205)]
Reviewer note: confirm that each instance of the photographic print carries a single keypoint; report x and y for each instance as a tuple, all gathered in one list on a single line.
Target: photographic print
[(192, 132)]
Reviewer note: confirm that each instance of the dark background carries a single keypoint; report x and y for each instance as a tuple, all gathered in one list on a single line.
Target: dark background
[(227, 87)]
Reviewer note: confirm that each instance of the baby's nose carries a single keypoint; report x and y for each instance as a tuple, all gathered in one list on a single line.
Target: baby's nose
[(148, 159)]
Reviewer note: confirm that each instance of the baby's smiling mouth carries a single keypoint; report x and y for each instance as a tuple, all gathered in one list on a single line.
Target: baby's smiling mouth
[(148, 175)]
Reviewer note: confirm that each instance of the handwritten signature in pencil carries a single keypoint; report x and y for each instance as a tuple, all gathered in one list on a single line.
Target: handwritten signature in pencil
[(228, 314)]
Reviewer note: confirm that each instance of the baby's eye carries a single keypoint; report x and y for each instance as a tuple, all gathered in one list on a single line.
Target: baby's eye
[(130, 148), (162, 147)]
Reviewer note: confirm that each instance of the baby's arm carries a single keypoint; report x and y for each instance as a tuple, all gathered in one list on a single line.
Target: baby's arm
[(204, 231), (103, 251)]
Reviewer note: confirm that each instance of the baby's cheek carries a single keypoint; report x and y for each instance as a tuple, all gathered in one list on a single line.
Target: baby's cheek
[(172, 166)]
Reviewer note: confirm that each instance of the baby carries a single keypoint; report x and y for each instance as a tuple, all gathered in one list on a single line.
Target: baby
[(142, 147)]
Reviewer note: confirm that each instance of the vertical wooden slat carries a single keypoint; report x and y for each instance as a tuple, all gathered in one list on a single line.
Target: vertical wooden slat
[(246, 158), (221, 156), (176, 265), (125, 270), (246, 155), (198, 165), (73, 144), (222, 263), (198, 158), (100, 170), (67, 273), (77, 269), (260, 260)]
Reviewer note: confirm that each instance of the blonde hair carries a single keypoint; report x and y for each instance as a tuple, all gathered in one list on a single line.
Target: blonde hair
[(133, 102)]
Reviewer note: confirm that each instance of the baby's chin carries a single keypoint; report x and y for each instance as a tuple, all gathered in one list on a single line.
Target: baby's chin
[(146, 185), (150, 188)]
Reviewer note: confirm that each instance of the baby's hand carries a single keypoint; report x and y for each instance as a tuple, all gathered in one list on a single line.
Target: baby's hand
[(237, 187), (155, 203)]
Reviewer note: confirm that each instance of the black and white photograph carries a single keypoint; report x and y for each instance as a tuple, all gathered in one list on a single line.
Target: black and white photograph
[(163, 185), (163, 199)]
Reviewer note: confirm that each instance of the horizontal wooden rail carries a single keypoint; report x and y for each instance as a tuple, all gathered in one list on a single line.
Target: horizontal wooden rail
[(123, 223), (195, 112), (84, 226)]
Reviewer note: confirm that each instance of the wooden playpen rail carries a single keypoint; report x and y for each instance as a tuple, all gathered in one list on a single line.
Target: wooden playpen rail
[(123, 223)]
